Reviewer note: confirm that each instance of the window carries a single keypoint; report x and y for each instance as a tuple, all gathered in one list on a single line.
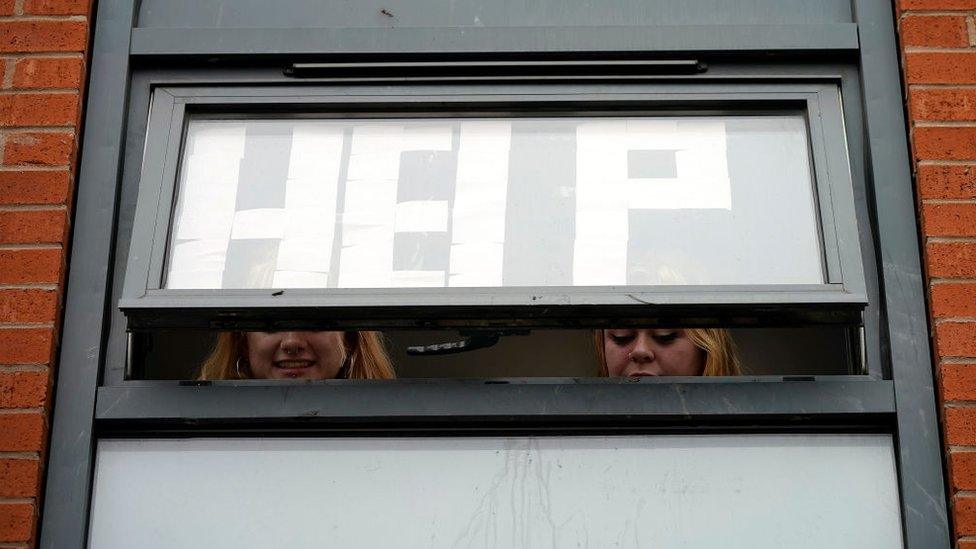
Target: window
[(527, 202), (281, 207), (565, 489)]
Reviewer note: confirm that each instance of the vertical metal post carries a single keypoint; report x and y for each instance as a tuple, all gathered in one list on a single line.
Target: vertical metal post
[(919, 443), (69, 470)]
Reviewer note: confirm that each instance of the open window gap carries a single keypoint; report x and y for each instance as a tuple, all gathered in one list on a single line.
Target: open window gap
[(793, 353)]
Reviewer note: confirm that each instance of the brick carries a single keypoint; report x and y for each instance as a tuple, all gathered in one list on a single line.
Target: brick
[(959, 381), (934, 31), (38, 109), (947, 5), (30, 266), (48, 72), (34, 187), (23, 305), (962, 470), (964, 514), (23, 389), (16, 521), (947, 300), (945, 143), (19, 478), (960, 426), (943, 103), (25, 346), (6, 7), (946, 181), (951, 259), (937, 220), (940, 67), (43, 36), (34, 226), (966, 544), (41, 149), (56, 7), (956, 339), (21, 432)]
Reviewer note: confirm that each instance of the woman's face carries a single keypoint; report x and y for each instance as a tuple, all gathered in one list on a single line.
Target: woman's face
[(295, 355), (660, 352)]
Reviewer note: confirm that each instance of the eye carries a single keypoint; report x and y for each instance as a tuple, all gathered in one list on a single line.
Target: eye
[(621, 339), (666, 338)]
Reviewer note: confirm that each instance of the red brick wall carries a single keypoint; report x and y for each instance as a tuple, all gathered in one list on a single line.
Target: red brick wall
[(938, 40), (42, 62)]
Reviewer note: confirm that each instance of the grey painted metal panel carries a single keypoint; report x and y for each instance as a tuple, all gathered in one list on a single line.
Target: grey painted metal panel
[(66, 500), (448, 402), (396, 41), (875, 359), (116, 347), (475, 13), (919, 452)]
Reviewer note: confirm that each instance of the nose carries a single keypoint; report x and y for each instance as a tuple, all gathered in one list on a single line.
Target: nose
[(643, 349), (292, 342)]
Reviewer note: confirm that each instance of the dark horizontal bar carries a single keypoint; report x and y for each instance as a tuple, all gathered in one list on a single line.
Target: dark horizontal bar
[(189, 316), (483, 69), (534, 307), (665, 38), (256, 404)]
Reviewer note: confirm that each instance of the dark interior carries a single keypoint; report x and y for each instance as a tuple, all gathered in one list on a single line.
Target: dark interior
[(541, 353)]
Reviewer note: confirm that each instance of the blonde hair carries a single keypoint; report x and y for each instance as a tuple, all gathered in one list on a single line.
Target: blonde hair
[(721, 357), (364, 357)]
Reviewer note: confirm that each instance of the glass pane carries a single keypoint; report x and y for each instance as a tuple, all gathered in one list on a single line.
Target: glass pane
[(756, 491), (600, 201)]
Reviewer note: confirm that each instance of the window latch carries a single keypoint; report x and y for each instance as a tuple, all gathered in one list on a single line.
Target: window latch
[(471, 341)]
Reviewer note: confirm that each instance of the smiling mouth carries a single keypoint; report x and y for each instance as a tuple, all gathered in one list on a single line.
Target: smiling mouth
[(293, 364)]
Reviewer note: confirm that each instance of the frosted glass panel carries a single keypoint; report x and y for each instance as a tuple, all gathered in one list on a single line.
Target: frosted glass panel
[(370, 203), (733, 491)]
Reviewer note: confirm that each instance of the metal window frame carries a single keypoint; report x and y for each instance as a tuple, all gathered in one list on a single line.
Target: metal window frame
[(839, 299), (903, 405), (145, 81)]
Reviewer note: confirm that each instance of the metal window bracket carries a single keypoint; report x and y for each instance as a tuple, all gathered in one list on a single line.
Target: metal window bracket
[(471, 341)]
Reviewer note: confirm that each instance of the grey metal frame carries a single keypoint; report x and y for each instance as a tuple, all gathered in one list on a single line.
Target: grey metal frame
[(209, 42), (743, 404), (839, 300), (896, 331)]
